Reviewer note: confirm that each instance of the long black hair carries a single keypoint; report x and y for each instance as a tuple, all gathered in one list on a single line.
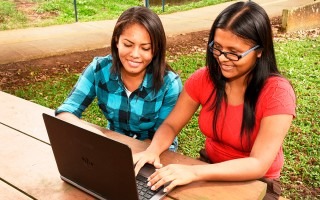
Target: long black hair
[(249, 21), (151, 21)]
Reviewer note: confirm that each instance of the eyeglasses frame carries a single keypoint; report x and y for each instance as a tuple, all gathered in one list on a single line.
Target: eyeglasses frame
[(226, 53)]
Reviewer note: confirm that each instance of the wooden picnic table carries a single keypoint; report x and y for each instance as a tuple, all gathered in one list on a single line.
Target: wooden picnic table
[(28, 169)]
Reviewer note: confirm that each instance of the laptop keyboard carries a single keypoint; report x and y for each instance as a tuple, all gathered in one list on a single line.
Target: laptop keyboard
[(144, 191)]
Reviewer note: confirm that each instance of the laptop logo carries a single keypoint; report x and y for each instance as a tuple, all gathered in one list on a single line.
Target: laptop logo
[(87, 162)]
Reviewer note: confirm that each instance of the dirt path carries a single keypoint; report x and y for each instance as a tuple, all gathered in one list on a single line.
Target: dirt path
[(19, 74)]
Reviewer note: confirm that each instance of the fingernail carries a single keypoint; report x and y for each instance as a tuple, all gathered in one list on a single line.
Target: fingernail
[(149, 184), (153, 187), (165, 190)]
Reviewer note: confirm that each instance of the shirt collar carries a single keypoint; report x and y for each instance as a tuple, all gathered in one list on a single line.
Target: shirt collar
[(146, 83)]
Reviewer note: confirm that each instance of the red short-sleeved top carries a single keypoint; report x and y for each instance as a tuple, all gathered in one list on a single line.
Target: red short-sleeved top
[(277, 97)]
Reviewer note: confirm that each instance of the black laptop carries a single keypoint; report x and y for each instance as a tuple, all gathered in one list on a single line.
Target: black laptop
[(96, 164)]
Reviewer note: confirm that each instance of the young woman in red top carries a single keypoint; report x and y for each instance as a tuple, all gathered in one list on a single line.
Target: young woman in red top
[(246, 107)]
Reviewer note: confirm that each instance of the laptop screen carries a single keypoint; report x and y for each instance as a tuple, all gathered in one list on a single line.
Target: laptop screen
[(94, 163)]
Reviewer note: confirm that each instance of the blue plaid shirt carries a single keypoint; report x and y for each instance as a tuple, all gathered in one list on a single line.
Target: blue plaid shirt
[(138, 115)]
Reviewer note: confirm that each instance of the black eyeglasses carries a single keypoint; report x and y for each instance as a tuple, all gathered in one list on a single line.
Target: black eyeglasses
[(230, 55)]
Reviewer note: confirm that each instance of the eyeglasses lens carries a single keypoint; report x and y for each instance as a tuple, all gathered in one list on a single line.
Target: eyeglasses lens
[(230, 56)]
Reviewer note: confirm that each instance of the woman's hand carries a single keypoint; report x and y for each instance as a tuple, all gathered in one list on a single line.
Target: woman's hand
[(171, 176), (140, 159)]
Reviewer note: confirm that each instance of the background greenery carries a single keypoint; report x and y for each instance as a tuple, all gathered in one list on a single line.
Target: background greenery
[(297, 59), (32, 13)]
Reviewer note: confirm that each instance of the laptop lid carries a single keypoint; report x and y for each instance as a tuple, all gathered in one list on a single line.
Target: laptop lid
[(96, 164)]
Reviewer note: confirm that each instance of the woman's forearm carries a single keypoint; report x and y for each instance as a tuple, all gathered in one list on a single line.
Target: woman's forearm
[(162, 139), (242, 169)]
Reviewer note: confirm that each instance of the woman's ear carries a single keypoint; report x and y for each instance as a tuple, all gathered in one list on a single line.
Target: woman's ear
[(259, 53)]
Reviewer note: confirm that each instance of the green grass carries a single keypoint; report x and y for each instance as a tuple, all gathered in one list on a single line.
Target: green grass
[(37, 13), (301, 146), (9, 16), (191, 140), (299, 61)]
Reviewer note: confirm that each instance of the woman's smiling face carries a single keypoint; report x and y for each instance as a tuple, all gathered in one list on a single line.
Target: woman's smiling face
[(226, 41), (135, 50)]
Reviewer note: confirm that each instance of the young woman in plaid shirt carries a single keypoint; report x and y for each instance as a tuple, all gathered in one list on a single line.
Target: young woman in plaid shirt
[(135, 88)]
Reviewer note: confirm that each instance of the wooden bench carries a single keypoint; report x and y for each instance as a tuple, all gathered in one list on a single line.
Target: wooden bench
[(28, 164), (10, 193)]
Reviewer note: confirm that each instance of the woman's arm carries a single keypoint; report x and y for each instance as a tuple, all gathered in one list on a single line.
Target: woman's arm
[(169, 129), (272, 132)]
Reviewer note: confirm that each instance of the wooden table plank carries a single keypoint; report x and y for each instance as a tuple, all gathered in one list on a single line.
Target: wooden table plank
[(23, 115), (9, 193), (30, 166), (251, 190)]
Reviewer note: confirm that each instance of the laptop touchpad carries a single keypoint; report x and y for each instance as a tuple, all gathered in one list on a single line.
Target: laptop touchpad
[(147, 170)]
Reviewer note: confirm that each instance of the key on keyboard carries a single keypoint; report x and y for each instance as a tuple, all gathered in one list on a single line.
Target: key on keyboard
[(144, 191)]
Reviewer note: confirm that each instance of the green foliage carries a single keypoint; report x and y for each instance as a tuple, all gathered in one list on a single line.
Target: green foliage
[(9, 16), (191, 140), (44, 12), (299, 61), (54, 91), (170, 8), (50, 93), (185, 65)]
